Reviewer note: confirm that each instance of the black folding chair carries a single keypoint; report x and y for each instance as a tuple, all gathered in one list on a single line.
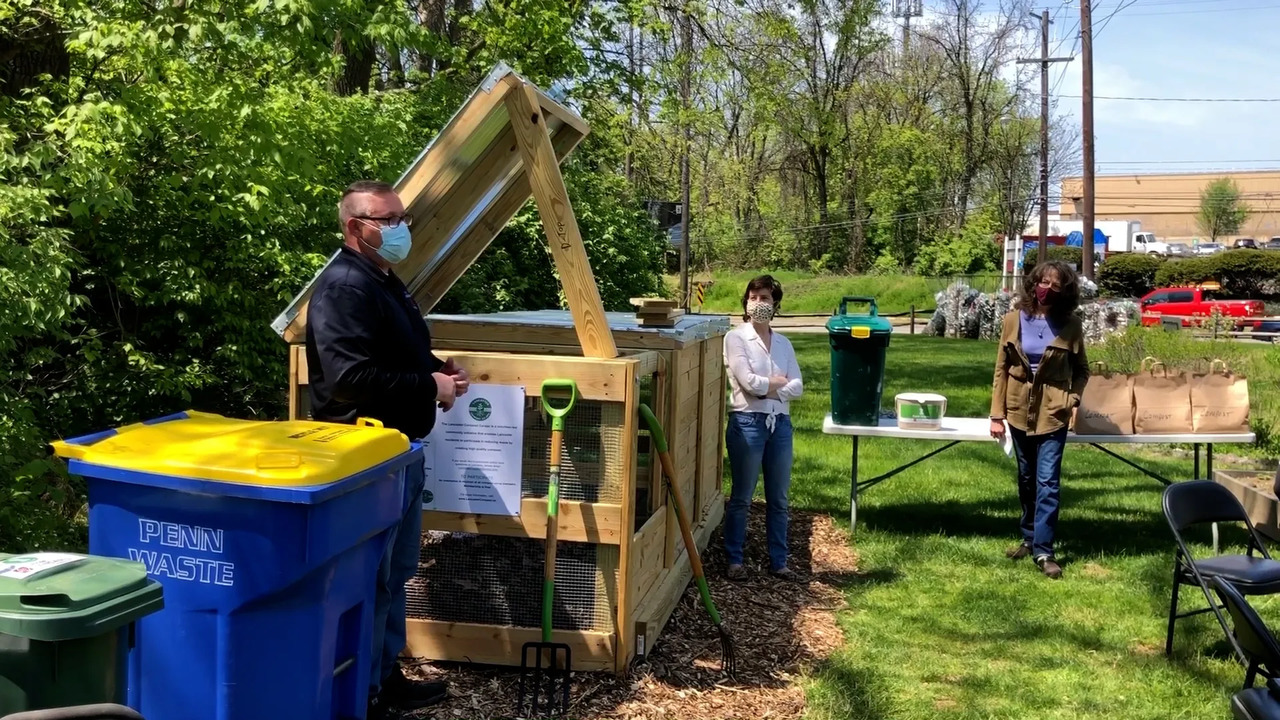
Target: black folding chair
[(1260, 652), (1257, 703), (1200, 502)]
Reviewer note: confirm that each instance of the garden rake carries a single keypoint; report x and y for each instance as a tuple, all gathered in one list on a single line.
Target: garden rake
[(728, 661), (550, 679)]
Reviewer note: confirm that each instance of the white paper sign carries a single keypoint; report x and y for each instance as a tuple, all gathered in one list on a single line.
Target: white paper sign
[(473, 457), (25, 566)]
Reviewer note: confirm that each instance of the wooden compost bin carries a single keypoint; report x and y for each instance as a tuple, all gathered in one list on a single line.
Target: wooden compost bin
[(621, 566), (689, 401)]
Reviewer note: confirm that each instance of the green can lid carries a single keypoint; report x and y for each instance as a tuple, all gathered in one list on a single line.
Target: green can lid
[(60, 596), (859, 325)]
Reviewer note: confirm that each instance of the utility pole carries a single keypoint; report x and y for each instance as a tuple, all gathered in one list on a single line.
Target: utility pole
[(1042, 251), (1086, 121), (686, 80)]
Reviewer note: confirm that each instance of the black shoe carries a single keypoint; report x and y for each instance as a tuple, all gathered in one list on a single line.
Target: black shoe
[(1019, 552), (407, 694), (377, 709)]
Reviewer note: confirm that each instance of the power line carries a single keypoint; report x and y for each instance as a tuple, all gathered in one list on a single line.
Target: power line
[(1204, 10), (1187, 100)]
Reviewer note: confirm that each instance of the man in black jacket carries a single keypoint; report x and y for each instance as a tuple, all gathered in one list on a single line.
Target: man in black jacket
[(369, 355)]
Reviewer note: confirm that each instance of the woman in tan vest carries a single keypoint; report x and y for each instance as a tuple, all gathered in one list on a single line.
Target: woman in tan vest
[(1041, 370)]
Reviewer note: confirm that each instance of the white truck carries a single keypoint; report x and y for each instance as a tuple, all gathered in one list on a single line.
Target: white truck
[(1122, 235)]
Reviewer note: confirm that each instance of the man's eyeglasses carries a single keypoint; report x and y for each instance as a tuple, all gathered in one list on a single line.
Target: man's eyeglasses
[(391, 221)]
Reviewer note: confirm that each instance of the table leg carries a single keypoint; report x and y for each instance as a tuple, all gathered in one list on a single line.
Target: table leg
[(1208, 461), (853, 487), (1196, 455)]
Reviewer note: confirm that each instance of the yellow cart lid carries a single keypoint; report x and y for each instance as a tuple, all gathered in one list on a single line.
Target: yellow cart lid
[(204, 446)]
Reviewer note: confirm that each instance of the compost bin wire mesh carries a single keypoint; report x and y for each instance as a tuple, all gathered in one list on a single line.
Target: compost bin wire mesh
[(592, 455), (497, 580)]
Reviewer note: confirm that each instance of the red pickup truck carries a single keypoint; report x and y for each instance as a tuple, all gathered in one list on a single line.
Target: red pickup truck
[(1192, 302)]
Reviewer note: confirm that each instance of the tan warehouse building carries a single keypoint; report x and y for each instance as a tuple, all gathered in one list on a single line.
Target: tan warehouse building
[(1168, 205)]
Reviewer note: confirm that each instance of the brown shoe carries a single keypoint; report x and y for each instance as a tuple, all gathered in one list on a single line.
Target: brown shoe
[(1049, 567), (1018, 552)]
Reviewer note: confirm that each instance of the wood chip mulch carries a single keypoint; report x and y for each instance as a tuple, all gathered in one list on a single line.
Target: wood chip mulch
[(781, 631)]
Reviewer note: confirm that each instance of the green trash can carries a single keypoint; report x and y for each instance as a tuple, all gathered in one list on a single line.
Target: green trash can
[(858, 346), (66, 623)]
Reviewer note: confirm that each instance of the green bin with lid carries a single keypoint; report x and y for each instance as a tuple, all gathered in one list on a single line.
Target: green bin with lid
[(66, 623), (859, 342)]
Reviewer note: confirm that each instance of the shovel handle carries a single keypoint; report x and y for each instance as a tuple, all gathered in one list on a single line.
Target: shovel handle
[(553, 532)]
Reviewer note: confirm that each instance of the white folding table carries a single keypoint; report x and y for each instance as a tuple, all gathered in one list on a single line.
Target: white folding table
[(956, 430)]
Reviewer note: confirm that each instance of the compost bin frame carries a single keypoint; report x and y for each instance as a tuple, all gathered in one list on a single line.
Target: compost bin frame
[(501, 148)]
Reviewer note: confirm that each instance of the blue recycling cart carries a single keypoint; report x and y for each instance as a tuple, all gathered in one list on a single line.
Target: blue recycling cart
[(267, 537)]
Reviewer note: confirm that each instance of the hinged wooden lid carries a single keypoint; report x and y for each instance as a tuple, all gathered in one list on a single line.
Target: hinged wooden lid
[(492, 156)]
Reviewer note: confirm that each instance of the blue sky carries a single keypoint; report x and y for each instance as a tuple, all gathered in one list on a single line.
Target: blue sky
[(1177, 48), (1166, 49)]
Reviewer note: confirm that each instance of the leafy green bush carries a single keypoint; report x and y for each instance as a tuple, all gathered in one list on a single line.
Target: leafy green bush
[(1070, 255), (167, 197), (1244, 274), (1187, 271), (1128, 275)]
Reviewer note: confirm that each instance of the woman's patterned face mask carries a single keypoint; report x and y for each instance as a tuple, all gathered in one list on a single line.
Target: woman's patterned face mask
[(761, 312)]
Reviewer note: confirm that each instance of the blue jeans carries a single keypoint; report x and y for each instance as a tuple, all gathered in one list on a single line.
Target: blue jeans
[(753, 447), (399, 565), (1039, 483)]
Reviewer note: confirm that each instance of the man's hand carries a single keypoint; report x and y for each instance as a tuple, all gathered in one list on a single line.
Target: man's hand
[(461, 378), (997, 429), (446, 390)]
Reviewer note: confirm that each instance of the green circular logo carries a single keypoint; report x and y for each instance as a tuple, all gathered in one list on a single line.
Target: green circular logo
[(428, 497), (480, 409)]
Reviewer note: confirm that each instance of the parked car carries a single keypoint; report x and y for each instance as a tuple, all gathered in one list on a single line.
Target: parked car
[(1179, 250), (1272, 244), (1268, 326), (1243, 243), (1193, 302), (1209, 248)]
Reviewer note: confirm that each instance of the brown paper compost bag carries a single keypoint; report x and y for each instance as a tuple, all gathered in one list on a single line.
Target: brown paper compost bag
[(1161, 400), (1219, 401), (1106, 405)]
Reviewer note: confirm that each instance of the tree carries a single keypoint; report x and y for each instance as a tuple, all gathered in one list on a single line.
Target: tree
[(1222, 211)]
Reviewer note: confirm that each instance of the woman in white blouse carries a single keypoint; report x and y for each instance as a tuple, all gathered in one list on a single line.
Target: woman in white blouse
[(764, 378)]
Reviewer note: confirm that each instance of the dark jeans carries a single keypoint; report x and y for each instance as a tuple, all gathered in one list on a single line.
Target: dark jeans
[(399, 565), (755, 447), (1039, 483)]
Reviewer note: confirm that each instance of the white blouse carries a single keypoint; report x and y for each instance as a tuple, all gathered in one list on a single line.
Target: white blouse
[(751, 365)]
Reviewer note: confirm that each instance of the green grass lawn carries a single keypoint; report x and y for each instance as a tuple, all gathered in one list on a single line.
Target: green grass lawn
[(805, 293), (942, 625)]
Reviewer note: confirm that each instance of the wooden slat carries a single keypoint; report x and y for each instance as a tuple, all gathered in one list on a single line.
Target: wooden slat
[(561, 113), (655, 609), (596, 379), (498, 645), (295, 382), (561, 228), (648, 548), (624, 607), (599, 523), (467, 332)]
